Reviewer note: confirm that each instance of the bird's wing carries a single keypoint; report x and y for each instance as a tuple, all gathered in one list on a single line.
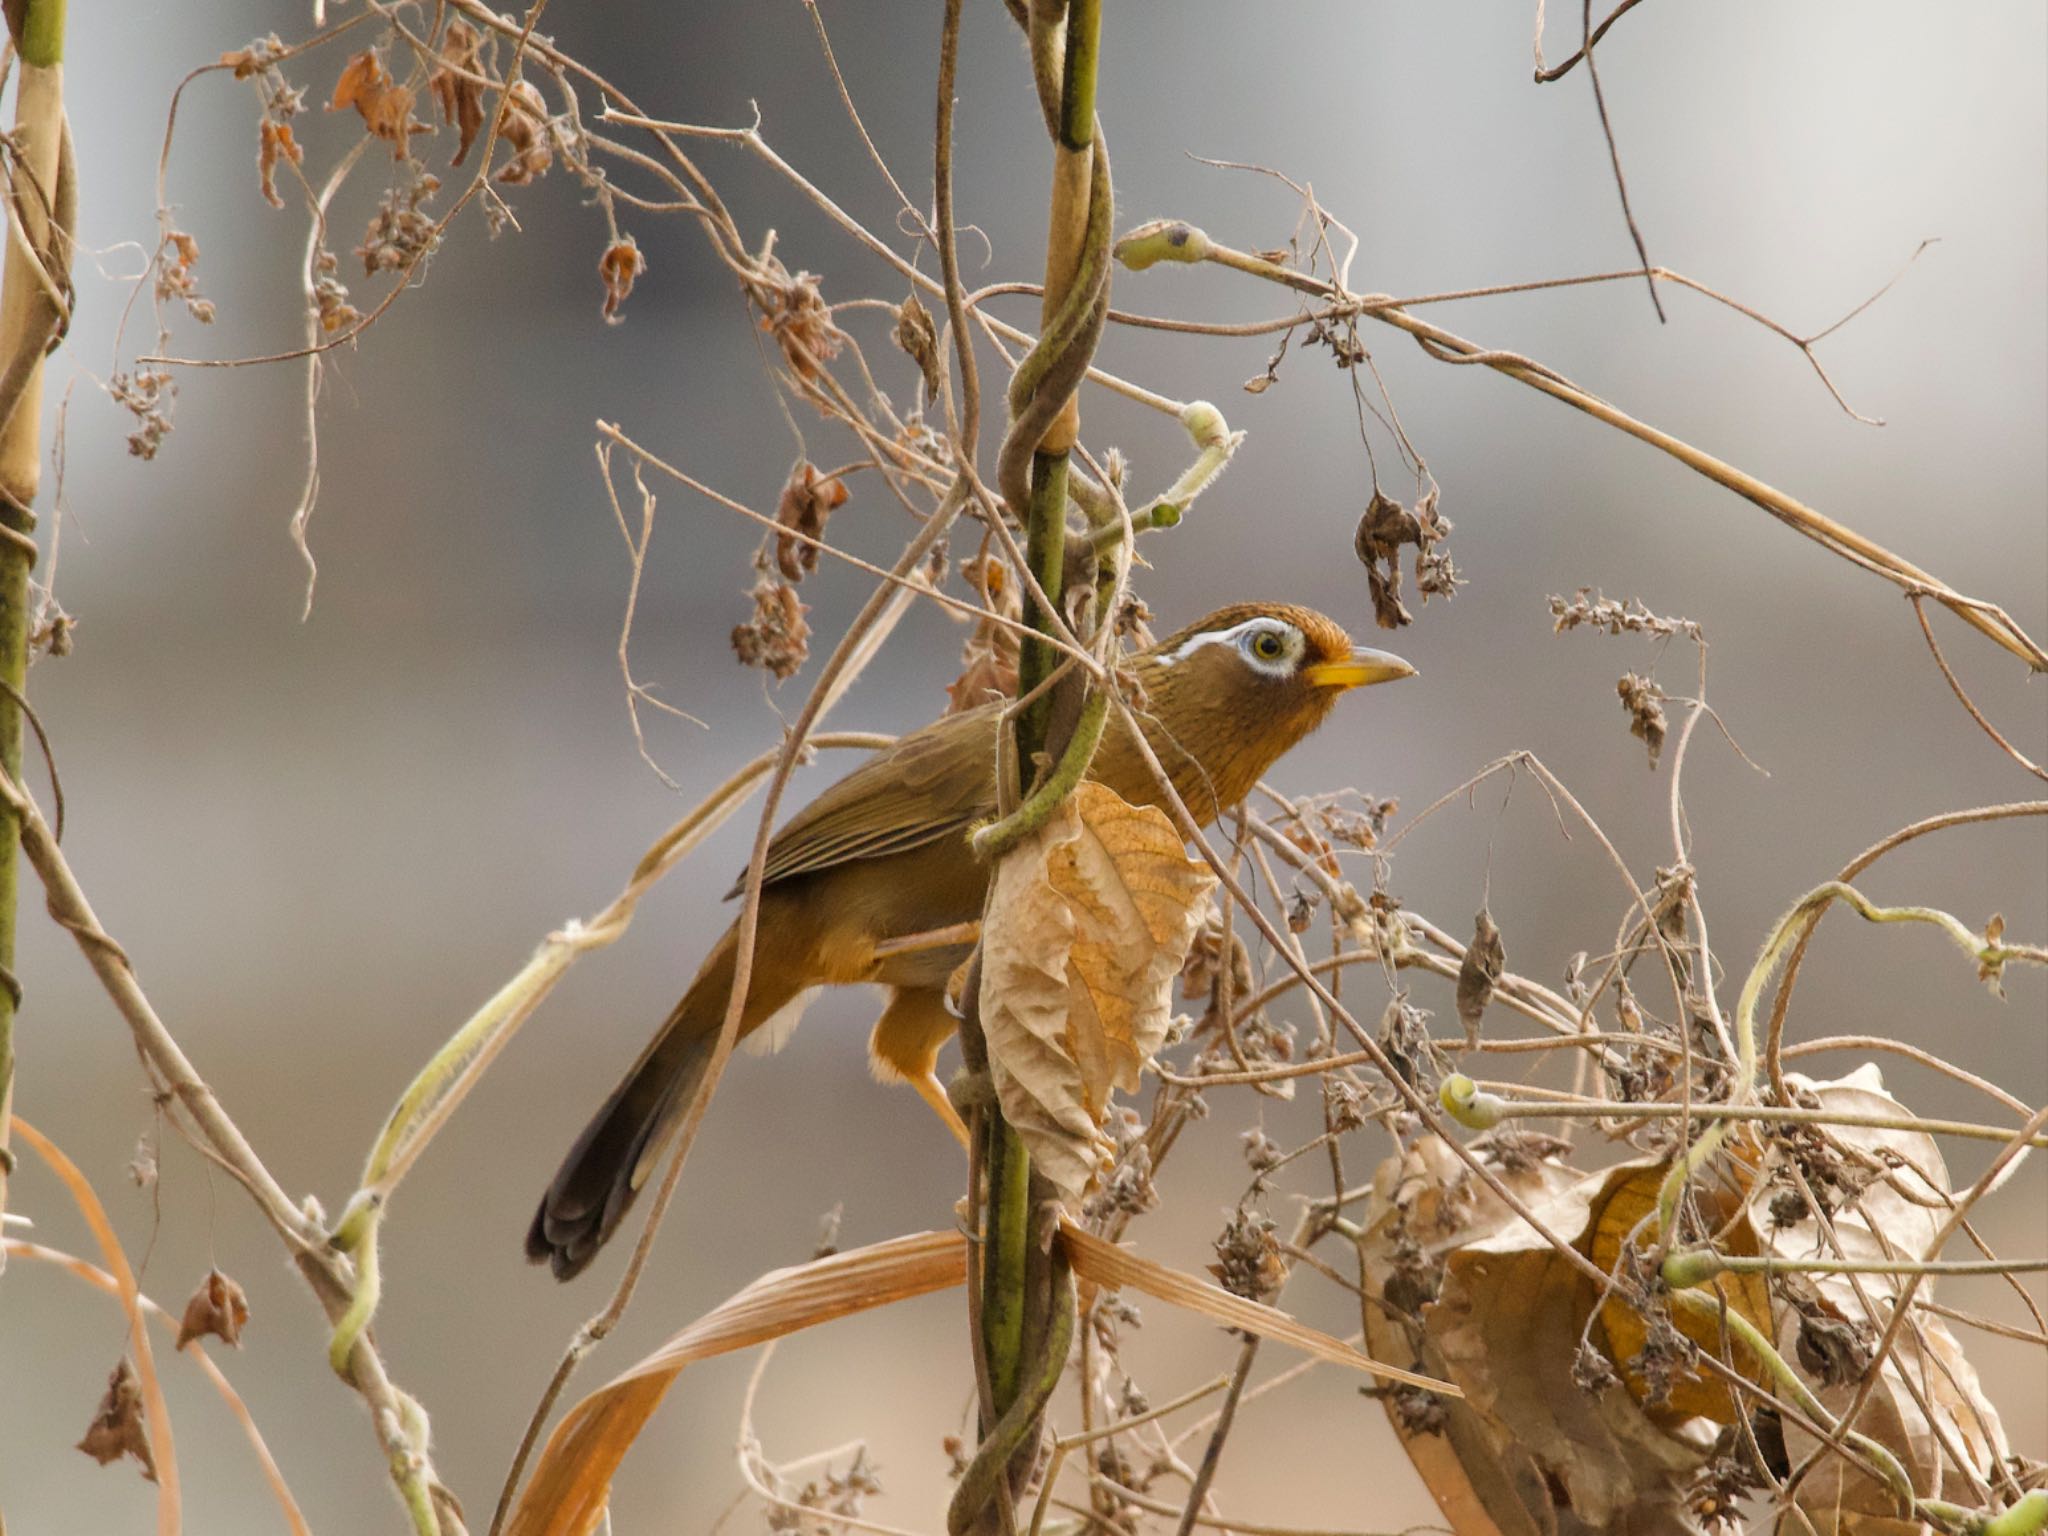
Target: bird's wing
[(934, 783)]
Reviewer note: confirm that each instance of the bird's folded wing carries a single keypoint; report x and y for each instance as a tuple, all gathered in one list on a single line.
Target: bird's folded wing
[(934, 783)]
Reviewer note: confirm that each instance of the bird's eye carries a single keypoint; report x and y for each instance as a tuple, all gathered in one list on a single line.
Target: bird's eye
[(1267, 645)]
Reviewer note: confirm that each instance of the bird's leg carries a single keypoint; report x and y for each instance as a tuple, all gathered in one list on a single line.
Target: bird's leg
[(905, 1048), (936, 938), (933, 1092)]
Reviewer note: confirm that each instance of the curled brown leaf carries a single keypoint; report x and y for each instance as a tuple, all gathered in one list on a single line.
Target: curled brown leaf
[(1643, 700), (456, 86), (384, 105), (1485, 958), (807, 502), (274, 144), (523, 125), (777, 637), (1089, 920), (617, 268), (117, 1427), (917, 336), (217, 1308)]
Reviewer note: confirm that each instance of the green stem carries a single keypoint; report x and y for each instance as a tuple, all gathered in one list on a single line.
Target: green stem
[(42, 34), (997, 838), (1015, 1312), (1045, 550), (1697, 1267), (1789, 1383), (1005, 1241)]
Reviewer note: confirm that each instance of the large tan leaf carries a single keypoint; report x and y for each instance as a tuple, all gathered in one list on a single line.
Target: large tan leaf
[(1087, 926), (572, 1479), (1891, 1217), (1626, 1204), (1425, 1203), (1507, 1323)]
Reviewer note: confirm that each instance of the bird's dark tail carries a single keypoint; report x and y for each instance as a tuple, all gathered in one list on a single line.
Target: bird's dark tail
[(624, 1141)]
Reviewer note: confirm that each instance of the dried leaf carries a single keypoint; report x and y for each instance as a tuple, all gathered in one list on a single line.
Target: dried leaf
[(1648, 1356), (1641, 697), (218, 1308), (571, 1482), (1894, 1207), (989, 659), (384, 105), (1507, 1323), (1424, 1204), (620, 264), (806, 504), (777, 637), (274, 142), (523, 125), (796, 313), (117, 1428), (456, 86), (916, 335), (1485, 958), (1088, 923)]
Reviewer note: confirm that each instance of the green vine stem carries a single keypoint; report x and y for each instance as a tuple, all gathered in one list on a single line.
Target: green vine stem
[(999, 837), (2020, 1520), (1987, 948), (1026, 1303)]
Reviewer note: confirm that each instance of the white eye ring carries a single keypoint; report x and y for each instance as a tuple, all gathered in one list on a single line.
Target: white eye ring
[(1271, 648)]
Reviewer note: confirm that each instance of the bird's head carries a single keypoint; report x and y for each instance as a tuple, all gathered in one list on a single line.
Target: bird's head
[(1240, 687)]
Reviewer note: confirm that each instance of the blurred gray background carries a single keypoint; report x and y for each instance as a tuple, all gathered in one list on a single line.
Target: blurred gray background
[(324, 843)]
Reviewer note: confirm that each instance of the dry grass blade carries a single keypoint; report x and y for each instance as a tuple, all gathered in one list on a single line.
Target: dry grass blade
[(1104, 1263), (572, 1479), (99, 1279), (155, 1411)]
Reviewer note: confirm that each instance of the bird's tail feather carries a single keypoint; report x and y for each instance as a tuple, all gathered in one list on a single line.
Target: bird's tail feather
[(612, 1158)]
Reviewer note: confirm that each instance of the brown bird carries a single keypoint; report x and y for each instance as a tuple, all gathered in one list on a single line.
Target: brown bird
[(882, 856)]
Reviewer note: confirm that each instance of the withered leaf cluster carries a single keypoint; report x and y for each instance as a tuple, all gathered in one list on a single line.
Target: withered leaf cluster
[(988, 661), (777, 637), (807, 502), (401, 231), (795, 313), (384, 105), (1589, 608), (117, 1427), (274, 145), (918, 337), (217, 1309), (1249, 1262), (1383, 530), (617, 269), (1485, 958), (1643, 700), (456, 86)]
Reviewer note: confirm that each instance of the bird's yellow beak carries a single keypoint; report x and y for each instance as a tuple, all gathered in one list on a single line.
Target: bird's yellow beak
[(1360, 669)]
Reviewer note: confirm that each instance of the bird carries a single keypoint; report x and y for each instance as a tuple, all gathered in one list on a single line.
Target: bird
[(882, 857)]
